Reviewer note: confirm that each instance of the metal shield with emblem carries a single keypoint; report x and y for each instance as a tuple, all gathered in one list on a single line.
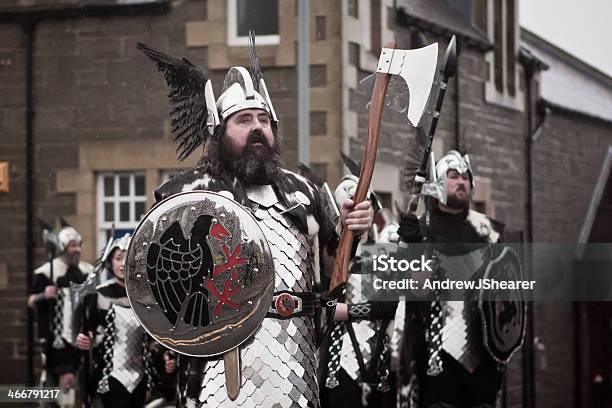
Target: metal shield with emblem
[(503, 315), (199, 273)]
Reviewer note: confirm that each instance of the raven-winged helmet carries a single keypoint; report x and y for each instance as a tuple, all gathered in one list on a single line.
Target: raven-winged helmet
[(195, 114)]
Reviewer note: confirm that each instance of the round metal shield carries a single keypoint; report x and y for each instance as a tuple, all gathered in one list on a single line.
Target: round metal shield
[(199, 273), (503, 314)]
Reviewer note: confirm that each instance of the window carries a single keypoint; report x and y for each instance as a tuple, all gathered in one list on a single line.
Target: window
[(258, 15), (318, 75), (502, 28), (385, 199), (320, 28), (122, 201), (353, 54), (318, 123), (353, 8)]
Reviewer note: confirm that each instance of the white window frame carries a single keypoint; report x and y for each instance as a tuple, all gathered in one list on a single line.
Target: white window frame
[(232, 27), (104, 226)]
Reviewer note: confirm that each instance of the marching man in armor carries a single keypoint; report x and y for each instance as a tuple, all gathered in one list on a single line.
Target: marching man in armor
[(122, 357), (462, 368), (51, 298), (355, 365), (242, 162)]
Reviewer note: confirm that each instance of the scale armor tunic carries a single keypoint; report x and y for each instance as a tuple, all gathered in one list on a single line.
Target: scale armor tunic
[(368, 331), (279, 361), (365, 332), (125, 355)]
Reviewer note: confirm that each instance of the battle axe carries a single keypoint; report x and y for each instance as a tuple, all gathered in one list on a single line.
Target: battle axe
[(417, 68)]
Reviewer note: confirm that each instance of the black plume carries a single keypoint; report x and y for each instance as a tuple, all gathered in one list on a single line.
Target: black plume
[(353, 166), (63, 222), (44, 225), (462, 147), (308, 173), (255, 66), (414, 157), (188, 110)]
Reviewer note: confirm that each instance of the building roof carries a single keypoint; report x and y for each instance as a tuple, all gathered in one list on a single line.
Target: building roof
[(569, 84), (439, 17)]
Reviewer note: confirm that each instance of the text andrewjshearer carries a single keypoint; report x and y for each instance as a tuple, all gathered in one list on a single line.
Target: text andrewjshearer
[(385, 263), (449, 284)]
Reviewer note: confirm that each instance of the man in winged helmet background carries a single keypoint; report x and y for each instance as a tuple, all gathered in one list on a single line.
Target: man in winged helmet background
[(241, 160)]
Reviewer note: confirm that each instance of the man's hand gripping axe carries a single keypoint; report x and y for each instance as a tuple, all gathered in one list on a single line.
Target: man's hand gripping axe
[(417, 68)]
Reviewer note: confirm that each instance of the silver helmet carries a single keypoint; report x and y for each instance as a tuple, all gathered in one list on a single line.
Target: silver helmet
[(437, 186), (239, 93), (122, 243), (118, 243), (454, 161), (65, 236)]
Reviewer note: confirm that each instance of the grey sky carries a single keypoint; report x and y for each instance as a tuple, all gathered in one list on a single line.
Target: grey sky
[(583, 28)]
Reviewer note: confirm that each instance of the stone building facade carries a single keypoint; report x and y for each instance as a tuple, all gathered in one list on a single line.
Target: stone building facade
[(100, 131)]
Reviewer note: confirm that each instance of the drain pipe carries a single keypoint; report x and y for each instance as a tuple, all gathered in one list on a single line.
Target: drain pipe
[(529, 393), (531, 65), (29, 28)]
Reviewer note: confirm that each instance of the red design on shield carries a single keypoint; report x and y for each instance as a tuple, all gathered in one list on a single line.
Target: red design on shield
[(232, 260), (219, 231), (224, 297)]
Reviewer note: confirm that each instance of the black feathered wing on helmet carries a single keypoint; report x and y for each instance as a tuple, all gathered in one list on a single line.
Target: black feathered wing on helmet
[(351, 164), (193, 115), (255, 66)]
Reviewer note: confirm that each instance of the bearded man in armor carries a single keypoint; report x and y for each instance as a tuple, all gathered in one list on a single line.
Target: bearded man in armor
[(242, 161), (460, 370), (50, 297)]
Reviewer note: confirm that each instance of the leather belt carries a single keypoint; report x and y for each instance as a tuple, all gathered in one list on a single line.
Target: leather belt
[(286, 304)]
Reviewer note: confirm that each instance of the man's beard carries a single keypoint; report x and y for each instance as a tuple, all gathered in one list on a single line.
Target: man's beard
[(455, 202), (254, 165), (73, 259)]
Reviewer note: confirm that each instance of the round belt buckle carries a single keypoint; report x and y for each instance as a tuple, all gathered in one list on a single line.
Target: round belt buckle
[(284, 304)]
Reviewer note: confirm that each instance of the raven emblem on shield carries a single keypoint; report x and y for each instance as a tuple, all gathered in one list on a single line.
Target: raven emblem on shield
[(194, 279)]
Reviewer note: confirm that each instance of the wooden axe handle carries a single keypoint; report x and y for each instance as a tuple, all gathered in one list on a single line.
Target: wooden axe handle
[(340, 274)]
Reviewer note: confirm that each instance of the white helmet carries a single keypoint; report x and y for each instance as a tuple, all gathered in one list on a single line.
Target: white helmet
[(239, 93), (119, 243), (65, 236), (122, 243), (454, 161)]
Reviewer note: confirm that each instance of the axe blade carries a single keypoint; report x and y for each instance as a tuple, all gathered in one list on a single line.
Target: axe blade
[(418, 68), (78, 291)]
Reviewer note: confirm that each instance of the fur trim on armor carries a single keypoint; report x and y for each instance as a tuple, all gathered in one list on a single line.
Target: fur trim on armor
[(483, 226)]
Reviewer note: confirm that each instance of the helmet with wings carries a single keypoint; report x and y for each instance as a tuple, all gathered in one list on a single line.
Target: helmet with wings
[(194, 111)]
